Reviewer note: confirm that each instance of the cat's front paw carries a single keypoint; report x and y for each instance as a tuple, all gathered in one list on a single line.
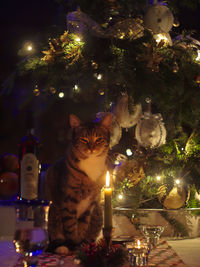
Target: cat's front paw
[(62, 250)]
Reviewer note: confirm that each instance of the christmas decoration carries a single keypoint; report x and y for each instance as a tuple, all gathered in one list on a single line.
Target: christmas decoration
[(129, 28), (126, 112), (131, 170), (159, 18), (175, 198), (150, 131), (115, 130), (68, 47), (97, 255)]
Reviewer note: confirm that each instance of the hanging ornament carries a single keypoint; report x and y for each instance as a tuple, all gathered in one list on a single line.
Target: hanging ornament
[(176, 23), (126, 112), (150, 131), (175, 67), (173, 199), (52, 90), (159, 18), (129, 28), (131, 170), (115, 130), (36, 90)]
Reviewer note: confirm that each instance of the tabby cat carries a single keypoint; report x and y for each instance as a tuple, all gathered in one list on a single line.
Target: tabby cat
[(74, 183)]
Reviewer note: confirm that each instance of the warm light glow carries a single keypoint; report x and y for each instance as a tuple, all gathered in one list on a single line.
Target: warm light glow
[(177, 181), (117, 162), (120, 196), (129, 152), (99, 76), (138, 243), (61, 95), (158, 178), (198, 56), (78, 39), (107, 179), (161, 37), (29, 47), (76, 87)]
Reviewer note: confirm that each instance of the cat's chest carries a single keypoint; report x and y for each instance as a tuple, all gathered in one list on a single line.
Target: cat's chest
[(93, 166), (83, 205)]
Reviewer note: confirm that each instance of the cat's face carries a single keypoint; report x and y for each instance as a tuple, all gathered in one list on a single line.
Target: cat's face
[(92, 138)]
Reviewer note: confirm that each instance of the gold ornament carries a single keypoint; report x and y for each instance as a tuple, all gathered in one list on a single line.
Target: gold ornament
[(131, 170), (198, 79), (176, 23), (36, 91), (175, 199)]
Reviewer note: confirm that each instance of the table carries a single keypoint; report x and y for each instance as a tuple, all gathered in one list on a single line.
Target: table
[(161, 256)]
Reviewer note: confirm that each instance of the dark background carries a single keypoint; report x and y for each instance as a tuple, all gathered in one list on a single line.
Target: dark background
[(22, 21)]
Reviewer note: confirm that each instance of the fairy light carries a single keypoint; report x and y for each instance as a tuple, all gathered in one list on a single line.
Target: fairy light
[(29, 48), (161, 37), (158, 178), (78, 39), (120, 196), (61, 95), (99, 76), (198, 56), (116, 162), (129, 152), (177, 181)]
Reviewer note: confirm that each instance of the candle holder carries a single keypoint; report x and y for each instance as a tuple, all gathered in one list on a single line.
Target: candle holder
[(108, 235), (138, 255)]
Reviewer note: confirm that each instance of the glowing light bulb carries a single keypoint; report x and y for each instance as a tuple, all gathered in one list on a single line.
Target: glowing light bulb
[(161, 37), (61, 95), (198, 55), (158, 178), (75, 87), (29, 47), (117, 162), (129, 152), (78, 39), (99, 76), (177, 181), (120, 196)]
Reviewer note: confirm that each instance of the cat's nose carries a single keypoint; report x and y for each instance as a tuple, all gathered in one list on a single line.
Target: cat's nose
[(91, 148)]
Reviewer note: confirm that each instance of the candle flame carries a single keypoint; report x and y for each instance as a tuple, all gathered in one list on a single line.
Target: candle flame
[(107, 179), (138, 243)]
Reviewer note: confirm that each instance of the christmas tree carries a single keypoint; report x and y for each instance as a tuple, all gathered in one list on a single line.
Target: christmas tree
[(130, 58)]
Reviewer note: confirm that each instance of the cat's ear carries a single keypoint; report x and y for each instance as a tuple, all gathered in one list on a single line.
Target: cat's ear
[(74, 121), (107, 120)]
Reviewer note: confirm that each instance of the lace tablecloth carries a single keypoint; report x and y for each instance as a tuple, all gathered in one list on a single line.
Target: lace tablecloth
[(161, 256)]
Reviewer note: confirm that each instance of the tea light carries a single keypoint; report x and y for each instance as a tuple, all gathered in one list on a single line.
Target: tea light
[(138, 253)]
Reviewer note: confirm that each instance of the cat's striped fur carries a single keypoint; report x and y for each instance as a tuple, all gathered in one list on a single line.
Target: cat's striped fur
[(74, 185)]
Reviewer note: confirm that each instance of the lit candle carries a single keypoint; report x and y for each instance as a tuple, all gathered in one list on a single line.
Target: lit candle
[(138, 244), (107, 203)]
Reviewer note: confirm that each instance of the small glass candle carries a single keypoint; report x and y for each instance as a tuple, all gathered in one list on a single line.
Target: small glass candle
[(138, 252)]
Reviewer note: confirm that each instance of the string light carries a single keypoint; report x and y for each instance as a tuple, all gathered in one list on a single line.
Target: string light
[(129, 152), (61, 95), (158, 178), (161, 37), (78, 39), (120, 196), (198, 55), (177, 181)]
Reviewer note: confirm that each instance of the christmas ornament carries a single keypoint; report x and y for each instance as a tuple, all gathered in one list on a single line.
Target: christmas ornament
[(130, 28), (115, 130), (150, 131), (131, 170), (159, 18), (126, 112), (175, 198), (68, 47)]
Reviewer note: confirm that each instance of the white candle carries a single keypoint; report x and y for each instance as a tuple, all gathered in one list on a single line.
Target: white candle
[(107, 203)]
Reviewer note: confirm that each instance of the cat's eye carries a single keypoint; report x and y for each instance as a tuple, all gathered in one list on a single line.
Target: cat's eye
[(83, 140), (99, 140)]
